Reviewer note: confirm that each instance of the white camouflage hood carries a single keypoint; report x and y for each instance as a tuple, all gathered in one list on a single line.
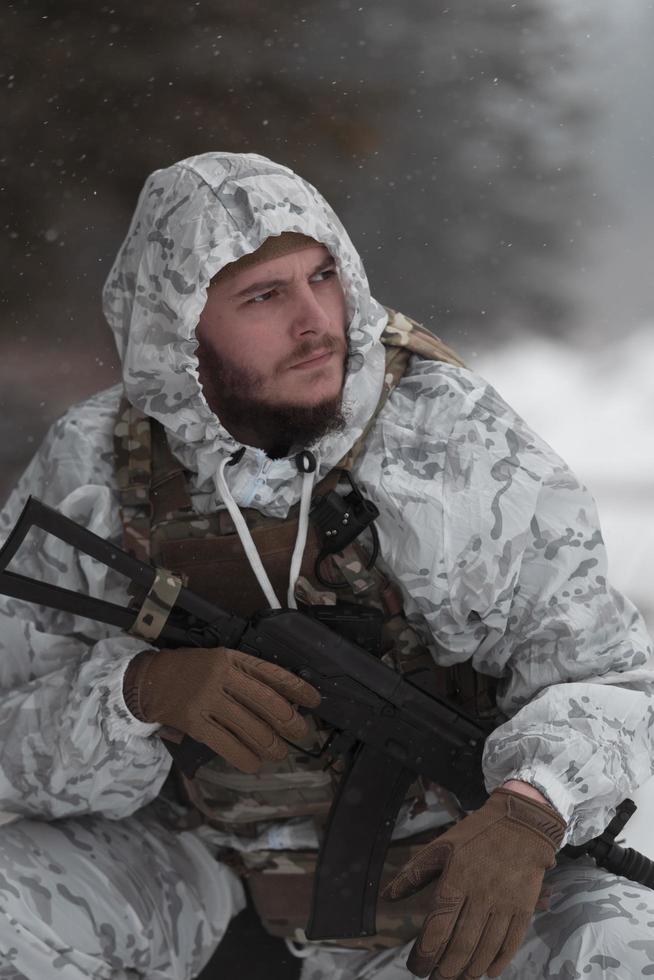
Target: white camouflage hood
[(192, 219)]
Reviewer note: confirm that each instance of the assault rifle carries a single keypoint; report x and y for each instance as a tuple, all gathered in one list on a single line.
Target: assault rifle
[(386, 727)]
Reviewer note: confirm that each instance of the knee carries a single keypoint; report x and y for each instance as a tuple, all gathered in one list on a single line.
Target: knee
[(26, 933), (599, 926), (94, 893)]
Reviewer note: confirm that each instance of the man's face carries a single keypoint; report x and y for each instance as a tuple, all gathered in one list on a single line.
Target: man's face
[(271, 340)]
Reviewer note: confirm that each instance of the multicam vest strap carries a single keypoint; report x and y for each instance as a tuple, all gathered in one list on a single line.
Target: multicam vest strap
[(206, 552)]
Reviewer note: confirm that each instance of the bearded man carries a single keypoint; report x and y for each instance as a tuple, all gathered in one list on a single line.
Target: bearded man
[(259, 373)]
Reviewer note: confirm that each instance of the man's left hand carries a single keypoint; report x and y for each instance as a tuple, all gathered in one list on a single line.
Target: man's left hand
[(489, 870)]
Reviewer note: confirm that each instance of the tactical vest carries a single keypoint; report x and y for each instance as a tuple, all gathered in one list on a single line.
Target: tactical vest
[(206, 552)]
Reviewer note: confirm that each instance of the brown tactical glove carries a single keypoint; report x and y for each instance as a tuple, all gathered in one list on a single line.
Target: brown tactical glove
[(236, 704), (489, 869)]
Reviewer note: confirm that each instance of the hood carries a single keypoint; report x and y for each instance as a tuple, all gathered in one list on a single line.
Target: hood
[(192, 219)]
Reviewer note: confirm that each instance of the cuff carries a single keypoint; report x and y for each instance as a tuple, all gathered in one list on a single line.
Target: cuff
[(120, 723), (541, 779)]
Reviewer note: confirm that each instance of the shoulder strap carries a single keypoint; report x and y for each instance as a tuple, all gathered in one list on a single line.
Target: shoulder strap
[(151, 482), (403, 332), (133, 455), (402, 338)]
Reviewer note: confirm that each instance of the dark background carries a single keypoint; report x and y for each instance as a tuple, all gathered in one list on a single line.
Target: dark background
[(446, 138)]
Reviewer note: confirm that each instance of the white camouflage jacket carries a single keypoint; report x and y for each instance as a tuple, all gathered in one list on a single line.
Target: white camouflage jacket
[(494, 541)]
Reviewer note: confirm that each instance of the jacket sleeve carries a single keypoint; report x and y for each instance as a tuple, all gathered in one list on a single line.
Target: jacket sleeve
[(69, 744), (498, 551), (527, 572)]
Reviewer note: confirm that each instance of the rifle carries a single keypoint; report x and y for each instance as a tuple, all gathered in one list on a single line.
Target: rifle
[(387, 728)]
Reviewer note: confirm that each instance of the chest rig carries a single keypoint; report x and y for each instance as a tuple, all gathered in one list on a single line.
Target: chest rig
[(206, 552)]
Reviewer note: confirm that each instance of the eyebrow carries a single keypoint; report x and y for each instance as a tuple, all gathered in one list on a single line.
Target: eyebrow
[(266, 284)]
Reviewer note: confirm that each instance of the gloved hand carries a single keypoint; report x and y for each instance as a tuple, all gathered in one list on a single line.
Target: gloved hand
[(236, 704), (489, 868)]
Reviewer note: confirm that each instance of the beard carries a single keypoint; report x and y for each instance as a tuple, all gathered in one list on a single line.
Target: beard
[(232, 393)]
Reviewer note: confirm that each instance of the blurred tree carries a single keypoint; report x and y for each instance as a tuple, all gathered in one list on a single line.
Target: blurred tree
[(453, 131)]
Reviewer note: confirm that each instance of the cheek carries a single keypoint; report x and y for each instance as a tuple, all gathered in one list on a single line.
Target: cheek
[(338, 312), (258, 349), (228, 341)]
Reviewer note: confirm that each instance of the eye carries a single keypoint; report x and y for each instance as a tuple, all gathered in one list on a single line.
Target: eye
[(325, 273), (261, 297)]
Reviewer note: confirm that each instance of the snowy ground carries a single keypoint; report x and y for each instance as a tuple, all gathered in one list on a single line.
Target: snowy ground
[(595, 407)]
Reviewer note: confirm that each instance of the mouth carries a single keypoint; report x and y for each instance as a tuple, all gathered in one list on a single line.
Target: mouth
[(316, 359)]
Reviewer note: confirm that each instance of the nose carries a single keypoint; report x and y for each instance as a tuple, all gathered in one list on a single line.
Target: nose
[(308, 316)]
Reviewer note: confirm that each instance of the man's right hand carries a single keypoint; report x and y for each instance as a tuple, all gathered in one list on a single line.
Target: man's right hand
[(240, 706)]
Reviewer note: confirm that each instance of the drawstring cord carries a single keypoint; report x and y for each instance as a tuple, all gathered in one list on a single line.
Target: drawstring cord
[(246, 539), (306, 464)]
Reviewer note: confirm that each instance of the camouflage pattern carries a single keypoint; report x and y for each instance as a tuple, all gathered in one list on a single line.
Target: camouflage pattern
[(111, 900), (300, 786), (597, 926), (281, 884), (89, 897), (493, 542), (133, 473), (404, 332)]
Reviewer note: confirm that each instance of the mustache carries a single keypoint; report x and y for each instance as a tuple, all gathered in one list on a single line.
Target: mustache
[(306, 348)]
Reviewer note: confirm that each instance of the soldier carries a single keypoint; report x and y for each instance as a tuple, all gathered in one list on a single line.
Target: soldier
[(258, 372)]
